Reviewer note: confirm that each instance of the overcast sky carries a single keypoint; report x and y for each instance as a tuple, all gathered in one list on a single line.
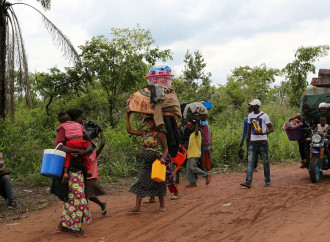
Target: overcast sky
[(228, 33)]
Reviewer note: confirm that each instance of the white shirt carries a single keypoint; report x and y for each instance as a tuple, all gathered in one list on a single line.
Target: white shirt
[(263, 120)]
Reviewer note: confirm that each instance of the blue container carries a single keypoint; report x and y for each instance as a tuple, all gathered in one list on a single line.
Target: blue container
[(52, 163), (208, 105)]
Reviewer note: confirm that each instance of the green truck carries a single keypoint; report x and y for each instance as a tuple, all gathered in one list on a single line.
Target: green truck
[(318, 91)]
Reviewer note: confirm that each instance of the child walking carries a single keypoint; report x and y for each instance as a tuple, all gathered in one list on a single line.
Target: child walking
[(194, 153), (94, 189), (76, 138)]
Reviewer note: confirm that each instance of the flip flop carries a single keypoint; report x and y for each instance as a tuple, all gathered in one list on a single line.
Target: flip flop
[(162, 210), (64, 231), (149, 201), (133, 212), (104, 211), (175, 197), (209, 178), (80, 234)]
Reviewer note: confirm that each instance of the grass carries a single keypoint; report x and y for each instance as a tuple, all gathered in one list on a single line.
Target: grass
[(23, 143)]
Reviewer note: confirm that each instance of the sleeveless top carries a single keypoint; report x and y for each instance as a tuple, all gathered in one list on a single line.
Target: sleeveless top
[(150, 140), (322, 129)]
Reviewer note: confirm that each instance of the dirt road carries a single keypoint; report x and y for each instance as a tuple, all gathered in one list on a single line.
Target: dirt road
[(292, 209)]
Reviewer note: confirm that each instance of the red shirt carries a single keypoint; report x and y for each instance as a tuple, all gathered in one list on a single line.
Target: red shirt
[(72, 129), (60, 138), (95, 172)]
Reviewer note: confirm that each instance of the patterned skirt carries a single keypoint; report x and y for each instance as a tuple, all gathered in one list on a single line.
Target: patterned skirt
[(145, 186), (76, 210), (169, 174)]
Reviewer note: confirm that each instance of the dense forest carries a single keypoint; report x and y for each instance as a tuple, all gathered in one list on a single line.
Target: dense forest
[(109, 70)]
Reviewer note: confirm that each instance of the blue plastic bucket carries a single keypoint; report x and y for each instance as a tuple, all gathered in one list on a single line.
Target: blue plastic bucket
[(208, 105), (52, 163)]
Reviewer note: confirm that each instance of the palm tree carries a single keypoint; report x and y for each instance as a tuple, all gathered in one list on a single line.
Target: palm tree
[(13, 62)]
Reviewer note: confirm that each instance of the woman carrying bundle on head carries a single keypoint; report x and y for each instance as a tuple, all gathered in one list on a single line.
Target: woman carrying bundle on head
[(151, 141)]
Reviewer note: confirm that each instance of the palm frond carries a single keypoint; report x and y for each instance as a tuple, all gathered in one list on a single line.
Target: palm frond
[(45, 4), (59, 38)]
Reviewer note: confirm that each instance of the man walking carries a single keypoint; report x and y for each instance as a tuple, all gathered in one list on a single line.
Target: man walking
[(259, 127), (244, 137)]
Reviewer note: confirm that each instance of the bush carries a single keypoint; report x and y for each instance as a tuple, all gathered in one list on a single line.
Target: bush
[(24, 140), (227, 131)]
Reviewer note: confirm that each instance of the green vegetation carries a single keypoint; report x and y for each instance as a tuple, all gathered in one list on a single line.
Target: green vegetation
[(111, 70)]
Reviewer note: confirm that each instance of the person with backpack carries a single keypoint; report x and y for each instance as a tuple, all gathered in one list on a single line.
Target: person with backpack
[(194, 153), (244, 137), (259, 128)]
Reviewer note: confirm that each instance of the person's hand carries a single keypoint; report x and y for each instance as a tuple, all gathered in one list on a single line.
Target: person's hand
[(162, 161), (79, 152)]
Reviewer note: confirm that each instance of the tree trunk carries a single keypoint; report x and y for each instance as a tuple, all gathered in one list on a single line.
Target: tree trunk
[(48, 105), (110, 108), (2, 60)]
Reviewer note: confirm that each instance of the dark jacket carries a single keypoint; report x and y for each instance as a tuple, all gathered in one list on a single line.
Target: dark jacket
[(172, 136)]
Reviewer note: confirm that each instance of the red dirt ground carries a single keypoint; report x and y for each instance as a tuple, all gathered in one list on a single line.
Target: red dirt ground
[(292, 209)]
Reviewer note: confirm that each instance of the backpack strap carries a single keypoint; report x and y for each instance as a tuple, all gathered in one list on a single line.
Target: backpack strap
[(259, 116)]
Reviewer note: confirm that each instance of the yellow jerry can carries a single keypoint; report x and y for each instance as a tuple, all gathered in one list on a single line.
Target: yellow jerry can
[(158, 171)]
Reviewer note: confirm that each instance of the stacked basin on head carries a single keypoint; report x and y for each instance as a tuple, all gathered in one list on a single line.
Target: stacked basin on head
[(161, 75)]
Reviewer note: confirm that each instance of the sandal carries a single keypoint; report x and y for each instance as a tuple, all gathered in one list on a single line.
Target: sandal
[(208, 178), (150, 201), (175, 197), (133, 211), (104, 210), (80, 234), (162, 210), (63, 230)]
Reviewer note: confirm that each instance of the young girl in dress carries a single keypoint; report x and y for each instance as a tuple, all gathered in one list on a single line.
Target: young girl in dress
[(94, 189)]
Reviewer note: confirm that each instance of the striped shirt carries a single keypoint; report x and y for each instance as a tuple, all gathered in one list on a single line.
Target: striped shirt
[(72, 129)]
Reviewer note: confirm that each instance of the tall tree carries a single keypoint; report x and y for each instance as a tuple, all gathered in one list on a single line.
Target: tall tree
[(194, 84), (246, 83), (57, 84), (12, 52), (296, 72), (121, 63)]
